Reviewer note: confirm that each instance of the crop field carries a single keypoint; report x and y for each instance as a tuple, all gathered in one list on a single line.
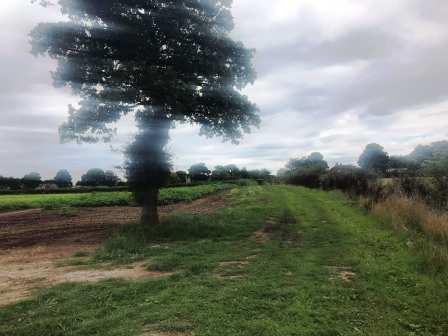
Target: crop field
[(260, 261), (98, 199)]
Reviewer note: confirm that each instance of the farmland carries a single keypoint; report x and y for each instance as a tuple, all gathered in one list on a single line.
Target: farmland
[(223, 168), (274, 260), (98, 199)]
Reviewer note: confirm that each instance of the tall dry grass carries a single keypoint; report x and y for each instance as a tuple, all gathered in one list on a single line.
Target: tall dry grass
[(408, 213), (413, 214)]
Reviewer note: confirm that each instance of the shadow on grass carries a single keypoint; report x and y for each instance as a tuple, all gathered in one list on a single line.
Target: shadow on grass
[(178, 236)]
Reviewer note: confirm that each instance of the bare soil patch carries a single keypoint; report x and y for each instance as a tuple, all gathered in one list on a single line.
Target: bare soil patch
[(205, 205), (232, 270), (24, 270), (261, 236), (344, 274), (281, 229), (235, 264), (18, 214), (33, 242), (86, 226)]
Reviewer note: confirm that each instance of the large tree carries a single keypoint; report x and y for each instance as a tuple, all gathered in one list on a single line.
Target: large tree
[(32, 180), (314, 161), (199, 172), (374, 159), (306, 171), (110, 178), (93, 178), (164, 60), (228, 172), (63, 179)]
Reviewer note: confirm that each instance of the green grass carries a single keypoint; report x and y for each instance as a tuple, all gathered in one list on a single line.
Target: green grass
[(289, 287), (97, 199)]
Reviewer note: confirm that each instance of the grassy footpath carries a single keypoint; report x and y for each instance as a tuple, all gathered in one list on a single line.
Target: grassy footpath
[(95, 199), (289, 285)]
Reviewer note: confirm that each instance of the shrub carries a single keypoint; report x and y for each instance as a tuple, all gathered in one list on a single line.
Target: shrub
[(433, 190), (199, 172), (32, 180), (10, 183), (306, 171), (306, 177), (350, 179), (243, 182), (440, 192), (63, 179)]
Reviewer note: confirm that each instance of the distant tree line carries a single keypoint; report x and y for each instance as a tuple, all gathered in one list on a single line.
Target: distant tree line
[(430, 161), (99, 178), (199, 172), (63, 179), (424, 161)]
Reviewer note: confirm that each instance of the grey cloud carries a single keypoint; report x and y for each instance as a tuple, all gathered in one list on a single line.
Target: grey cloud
[(431, 10), (371, 79), (363, 44)]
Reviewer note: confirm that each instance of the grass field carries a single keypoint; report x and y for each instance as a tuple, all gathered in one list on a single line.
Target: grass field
[(96, 199), (320, 267)]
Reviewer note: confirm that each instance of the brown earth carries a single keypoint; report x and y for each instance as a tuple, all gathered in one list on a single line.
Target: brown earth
[(24, 270), (85, 226), (344, 274), (33, 242)]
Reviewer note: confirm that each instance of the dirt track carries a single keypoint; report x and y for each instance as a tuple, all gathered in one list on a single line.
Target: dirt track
[(85, 226)]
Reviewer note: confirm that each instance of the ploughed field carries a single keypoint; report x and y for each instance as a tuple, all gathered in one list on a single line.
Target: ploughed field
[(85, 218), (258, 260)]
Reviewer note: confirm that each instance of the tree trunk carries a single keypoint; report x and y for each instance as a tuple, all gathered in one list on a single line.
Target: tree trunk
[(150, 214), (148, 166)]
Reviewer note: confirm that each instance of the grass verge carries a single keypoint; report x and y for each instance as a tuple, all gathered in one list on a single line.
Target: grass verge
[(426, 227)]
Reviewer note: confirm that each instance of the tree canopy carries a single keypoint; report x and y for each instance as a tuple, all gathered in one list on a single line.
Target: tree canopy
[(110, 178), (93, 178), (199, 172), (228, 172), (164, 60), (305, 171), (313, 161), (374, 159), (32, 180), (432, 151), (171, 56), (63, 179)]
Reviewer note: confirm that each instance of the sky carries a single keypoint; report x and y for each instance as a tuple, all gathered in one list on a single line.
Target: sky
[(333, 76)]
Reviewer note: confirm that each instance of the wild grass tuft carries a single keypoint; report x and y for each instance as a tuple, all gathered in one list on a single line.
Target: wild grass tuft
[(408, 213), (428, 226)]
